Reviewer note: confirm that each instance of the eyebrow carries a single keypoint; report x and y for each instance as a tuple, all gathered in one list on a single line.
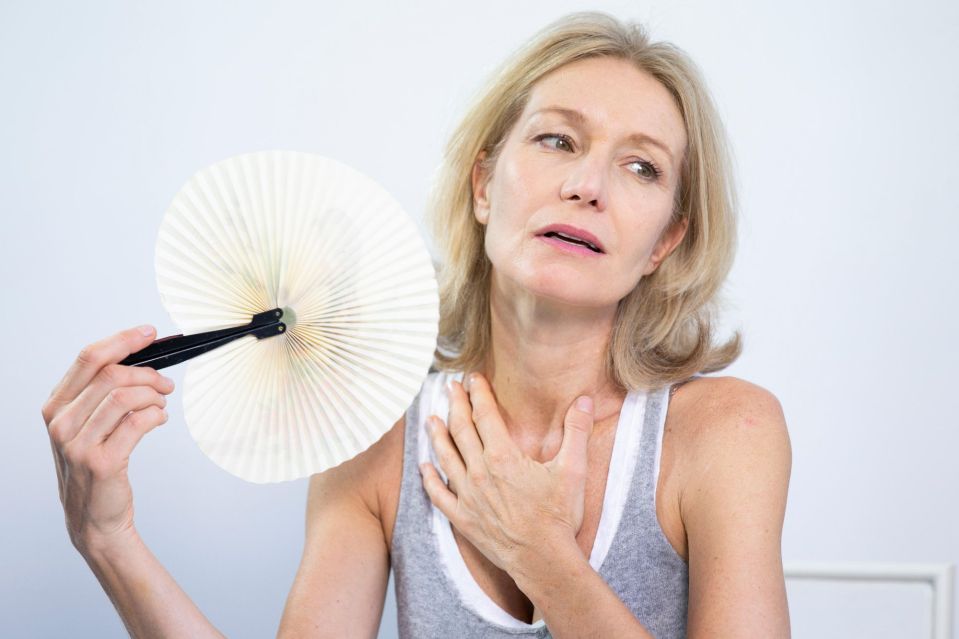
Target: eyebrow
[(579, 118)]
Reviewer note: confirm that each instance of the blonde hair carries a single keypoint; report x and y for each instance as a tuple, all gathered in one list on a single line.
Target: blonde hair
[(664, 328)]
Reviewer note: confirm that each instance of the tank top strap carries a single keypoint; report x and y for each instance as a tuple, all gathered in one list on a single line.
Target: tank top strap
[(642, 567)]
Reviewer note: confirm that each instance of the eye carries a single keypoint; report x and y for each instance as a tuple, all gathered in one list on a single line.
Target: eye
[(647, 170), (563, 139)]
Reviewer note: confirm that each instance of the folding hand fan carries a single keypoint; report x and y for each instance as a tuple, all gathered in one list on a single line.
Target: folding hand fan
[(322, 258)]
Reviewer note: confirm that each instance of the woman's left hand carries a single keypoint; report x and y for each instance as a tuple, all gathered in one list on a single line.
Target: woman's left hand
[(504, 502)]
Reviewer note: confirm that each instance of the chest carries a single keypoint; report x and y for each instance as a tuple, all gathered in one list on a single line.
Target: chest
[(498, 585)]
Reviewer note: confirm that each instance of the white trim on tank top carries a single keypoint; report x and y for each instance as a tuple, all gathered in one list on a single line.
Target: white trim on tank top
[(622, 464), (659, 445)]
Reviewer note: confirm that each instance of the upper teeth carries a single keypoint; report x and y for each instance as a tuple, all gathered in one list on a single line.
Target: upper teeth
[(573, 239)]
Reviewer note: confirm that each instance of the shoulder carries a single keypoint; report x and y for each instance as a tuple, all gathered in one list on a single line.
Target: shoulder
[(375, 475), (724, 435), (727, 416), (729, 433), (364, 476), (381, 468), (376, 472), (737, 458)]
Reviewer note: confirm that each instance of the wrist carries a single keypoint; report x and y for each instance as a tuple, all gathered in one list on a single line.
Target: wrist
[(553, 561), (101, 548)]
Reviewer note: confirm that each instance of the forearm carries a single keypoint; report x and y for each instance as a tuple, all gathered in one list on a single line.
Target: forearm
[(148, 599), (573, 598)]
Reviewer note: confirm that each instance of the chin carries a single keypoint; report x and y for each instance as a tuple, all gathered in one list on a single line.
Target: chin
[(564, 286)]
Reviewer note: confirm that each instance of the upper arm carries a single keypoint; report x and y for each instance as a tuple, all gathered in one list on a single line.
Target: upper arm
[(340, 586), (733, 508)]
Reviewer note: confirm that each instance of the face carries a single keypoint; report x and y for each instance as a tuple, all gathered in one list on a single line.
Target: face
[(598, 149)]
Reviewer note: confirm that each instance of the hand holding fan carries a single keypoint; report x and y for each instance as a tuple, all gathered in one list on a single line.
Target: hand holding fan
[(309, 310)]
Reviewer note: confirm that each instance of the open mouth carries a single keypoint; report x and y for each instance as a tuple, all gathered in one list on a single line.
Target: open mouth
[(572, 240)]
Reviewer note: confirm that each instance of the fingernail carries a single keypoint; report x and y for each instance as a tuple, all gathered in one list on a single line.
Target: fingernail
[(585, 404), (146, 329)]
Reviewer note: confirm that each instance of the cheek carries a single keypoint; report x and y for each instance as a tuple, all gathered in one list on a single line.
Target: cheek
[(527, 175), (501, 241), (632, 255), (511, 205), (512, 192), (638, 254)]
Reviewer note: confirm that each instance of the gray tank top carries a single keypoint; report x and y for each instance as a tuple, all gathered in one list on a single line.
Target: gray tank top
[(436, 596)]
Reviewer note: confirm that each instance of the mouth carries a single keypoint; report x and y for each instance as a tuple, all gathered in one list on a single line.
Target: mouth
[(567, 235), (570, 245), (574, 241)]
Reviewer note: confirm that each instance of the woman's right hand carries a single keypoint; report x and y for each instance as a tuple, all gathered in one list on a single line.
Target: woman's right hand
[(95, 416)]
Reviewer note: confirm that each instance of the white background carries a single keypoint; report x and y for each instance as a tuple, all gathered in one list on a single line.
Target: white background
[(843, 120)]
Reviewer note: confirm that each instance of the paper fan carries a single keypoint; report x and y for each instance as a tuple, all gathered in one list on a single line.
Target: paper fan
[(355, 282)]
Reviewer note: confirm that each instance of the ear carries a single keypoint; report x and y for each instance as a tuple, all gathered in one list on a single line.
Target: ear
[(479, 179), (668, 241)]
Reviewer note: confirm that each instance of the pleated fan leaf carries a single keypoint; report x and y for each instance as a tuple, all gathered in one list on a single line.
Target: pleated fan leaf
[(337, 253)]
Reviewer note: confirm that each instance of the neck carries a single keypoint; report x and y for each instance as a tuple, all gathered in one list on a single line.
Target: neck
[(543, 356)]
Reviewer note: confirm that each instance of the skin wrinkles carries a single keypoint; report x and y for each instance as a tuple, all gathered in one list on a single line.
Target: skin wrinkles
[(579, 120)]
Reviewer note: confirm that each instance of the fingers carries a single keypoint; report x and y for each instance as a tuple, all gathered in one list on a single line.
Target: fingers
[(446, 453), (437, 491), (68, 423), (129, 432), (461, 426), (577, 427), (494, 436), (115, 407), (94, 357)]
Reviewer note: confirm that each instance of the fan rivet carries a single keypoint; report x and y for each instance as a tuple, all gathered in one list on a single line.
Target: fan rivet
[(289, 317)]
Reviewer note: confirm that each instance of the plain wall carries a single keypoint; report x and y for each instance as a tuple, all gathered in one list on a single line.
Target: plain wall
[(842, 117)]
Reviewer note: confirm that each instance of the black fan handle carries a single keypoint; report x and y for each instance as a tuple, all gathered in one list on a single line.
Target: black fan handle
[(174, 349)]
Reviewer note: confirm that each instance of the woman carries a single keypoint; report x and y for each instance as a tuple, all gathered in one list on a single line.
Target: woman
[(586, 480)]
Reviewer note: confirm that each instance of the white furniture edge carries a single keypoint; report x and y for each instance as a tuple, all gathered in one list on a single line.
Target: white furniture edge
[(940, 577)]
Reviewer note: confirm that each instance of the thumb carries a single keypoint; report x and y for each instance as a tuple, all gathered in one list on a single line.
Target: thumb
[(126, 343), (135, 339), (577, 427)]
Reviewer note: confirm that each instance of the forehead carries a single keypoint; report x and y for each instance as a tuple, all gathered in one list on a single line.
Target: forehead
[(616, 98)]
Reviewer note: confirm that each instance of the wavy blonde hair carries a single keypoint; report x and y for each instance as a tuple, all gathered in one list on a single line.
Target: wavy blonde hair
[(664, 328)]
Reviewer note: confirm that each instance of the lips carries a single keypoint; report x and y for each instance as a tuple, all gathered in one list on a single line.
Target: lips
[(573, 235)]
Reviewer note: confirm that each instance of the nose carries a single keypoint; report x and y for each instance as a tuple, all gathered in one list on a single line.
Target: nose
[(586, 183)]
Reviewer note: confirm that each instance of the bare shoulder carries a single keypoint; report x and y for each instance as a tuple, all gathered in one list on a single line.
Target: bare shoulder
[(373, 476), (733, 445), (340, 585), (729, 425), (709, 415)]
